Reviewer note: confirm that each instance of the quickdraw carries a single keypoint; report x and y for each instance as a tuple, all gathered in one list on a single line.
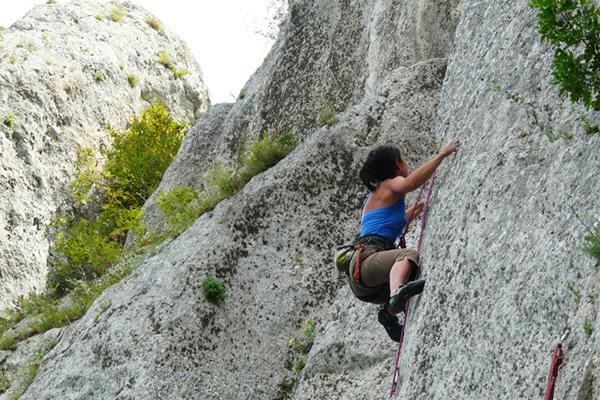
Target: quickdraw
[(557, 358)]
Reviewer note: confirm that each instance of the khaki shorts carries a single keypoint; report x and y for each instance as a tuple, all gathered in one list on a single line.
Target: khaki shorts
[(375, 267)]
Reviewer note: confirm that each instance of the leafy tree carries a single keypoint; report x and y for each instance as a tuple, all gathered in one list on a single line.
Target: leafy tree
[(573, 29)]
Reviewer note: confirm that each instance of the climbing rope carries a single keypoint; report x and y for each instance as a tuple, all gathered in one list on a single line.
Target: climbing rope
[(557, 358), (396, 370)]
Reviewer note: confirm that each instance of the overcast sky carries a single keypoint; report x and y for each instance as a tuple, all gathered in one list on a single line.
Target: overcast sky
[(222, 35)]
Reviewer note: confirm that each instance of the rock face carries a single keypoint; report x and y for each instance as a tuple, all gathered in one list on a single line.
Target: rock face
[(501, 247), (67, 70)]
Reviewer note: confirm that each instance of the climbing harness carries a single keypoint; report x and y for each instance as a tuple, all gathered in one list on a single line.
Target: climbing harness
[(396, 370), (557, 358)]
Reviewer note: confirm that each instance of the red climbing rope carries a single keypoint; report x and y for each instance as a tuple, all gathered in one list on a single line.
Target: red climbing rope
[(406, 306), (557, 357)]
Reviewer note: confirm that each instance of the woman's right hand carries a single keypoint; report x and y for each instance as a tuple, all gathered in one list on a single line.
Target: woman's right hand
[(451, 148)]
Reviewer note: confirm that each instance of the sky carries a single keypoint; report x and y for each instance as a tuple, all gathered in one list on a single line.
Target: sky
[(222, 35)]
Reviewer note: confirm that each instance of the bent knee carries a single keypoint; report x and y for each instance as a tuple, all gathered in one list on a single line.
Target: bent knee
[(411, 255)]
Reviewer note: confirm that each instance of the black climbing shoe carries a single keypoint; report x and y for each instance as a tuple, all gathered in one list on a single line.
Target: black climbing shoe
[(404, 292), (390, 323)]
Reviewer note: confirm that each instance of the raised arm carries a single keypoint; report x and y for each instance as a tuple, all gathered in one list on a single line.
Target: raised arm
[(419, 176)]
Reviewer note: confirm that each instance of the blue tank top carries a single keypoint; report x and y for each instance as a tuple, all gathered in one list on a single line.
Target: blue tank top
[(386, 221)]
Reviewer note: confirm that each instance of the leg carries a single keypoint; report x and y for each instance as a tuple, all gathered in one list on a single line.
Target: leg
[(401, 286), (400, 273)]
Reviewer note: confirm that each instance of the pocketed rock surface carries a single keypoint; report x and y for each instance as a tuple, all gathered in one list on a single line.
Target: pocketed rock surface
[(501, 251), (65, 72)]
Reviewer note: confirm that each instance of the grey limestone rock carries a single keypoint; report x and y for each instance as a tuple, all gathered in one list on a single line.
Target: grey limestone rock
[(271, 244), (501, 252), (63, 76)]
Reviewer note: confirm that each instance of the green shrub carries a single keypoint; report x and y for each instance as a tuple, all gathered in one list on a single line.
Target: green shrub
[(100, 17), (28, 373), (139, 157), (589, 128), (266, 151), (301, 346), (572, 27), (178, 73), (99, 77), (327, 116), (242, 94), (219, 185), (79, 301), (299, 365), (51, 2), (133, 80), (86, 252), (182, 205), (4, 383), (213, 289), (134, 165), (9, 120), (117, 14), (154, 23), (87, 174), (180, 208)]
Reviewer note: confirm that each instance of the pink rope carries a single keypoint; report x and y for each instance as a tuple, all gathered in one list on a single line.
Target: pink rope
[(407, 304)]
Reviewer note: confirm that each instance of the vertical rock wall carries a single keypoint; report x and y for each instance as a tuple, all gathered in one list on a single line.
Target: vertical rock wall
[(271, 244)]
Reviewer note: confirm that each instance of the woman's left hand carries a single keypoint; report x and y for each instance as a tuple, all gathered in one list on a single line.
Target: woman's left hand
[(415, 211)]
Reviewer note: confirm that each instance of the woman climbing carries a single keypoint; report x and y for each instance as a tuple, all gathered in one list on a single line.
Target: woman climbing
[(379, 272)]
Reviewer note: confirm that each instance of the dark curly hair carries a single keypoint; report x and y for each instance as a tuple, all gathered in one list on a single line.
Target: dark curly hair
[(379, 166)]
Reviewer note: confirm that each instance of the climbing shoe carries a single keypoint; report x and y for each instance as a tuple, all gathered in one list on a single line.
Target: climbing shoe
[(390, 323), (403, 293)]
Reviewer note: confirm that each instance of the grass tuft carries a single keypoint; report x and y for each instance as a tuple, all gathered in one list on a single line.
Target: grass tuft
[(154, 23), (132, 79), (164, 59), (179, 73), (9, 120), (327, 116), (587, 328), (117, 14)]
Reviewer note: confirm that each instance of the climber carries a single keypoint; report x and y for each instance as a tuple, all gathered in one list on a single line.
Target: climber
[(383, 273)]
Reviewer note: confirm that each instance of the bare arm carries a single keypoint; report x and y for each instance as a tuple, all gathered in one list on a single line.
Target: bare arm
[(419, 176), (414, 212)]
